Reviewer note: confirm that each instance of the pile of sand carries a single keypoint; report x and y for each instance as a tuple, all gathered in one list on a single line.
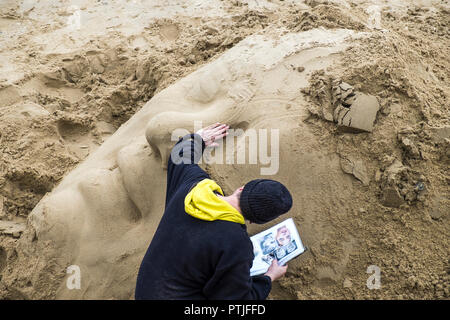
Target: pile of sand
[(378, 193)]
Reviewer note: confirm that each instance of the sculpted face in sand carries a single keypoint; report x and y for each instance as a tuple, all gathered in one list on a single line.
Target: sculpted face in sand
[(103, 214)]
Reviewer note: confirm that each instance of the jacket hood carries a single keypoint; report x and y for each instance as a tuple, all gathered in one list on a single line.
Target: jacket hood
[(203, 203)]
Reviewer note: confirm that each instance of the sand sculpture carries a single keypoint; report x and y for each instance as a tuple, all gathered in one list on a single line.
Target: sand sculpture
[(101, 217), (363, 131)]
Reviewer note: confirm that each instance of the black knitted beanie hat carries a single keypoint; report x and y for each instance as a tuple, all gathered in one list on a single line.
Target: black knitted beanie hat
[(263, 200)]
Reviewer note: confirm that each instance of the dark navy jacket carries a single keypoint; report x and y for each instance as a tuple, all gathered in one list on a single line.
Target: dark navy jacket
[(189, 258)]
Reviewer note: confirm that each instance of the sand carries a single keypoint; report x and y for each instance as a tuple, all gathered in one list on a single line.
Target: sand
[(87, 108)]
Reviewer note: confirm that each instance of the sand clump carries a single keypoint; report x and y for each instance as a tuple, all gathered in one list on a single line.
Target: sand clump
[(64, 93), (402, 166)]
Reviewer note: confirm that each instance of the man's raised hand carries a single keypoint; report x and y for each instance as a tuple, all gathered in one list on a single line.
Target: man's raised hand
[(213, 133)]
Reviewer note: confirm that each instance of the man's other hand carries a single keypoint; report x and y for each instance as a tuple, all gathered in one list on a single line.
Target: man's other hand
[(276, 271)]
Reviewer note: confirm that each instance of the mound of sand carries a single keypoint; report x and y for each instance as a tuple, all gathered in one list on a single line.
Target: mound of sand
[(363, 116)]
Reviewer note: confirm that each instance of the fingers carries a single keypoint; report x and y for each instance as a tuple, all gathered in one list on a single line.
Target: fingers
[(276, 271), (218, 131), (275, 262), (212, 126), (212, 142), (216, 127), (281, 265), (220, 128), (221, 135), (214, 132)]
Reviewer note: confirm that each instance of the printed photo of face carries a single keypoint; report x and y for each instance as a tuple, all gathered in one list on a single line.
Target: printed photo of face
[(267, 259), (291, 247), (283, 236), (280, 253), (268, 244)]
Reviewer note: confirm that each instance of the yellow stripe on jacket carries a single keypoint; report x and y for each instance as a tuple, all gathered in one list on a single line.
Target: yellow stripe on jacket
[(202, 203)]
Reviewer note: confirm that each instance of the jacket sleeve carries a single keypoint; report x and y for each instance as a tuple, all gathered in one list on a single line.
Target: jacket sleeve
[(183, 161), (232, 280)]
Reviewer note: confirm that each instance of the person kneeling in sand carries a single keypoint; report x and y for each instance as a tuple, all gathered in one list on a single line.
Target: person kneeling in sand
[(201, 249)]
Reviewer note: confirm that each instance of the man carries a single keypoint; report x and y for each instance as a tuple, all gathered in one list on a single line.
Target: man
[(201, 249)]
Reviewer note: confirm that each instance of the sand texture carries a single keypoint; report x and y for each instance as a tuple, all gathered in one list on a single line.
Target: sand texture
[(92, 91)]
